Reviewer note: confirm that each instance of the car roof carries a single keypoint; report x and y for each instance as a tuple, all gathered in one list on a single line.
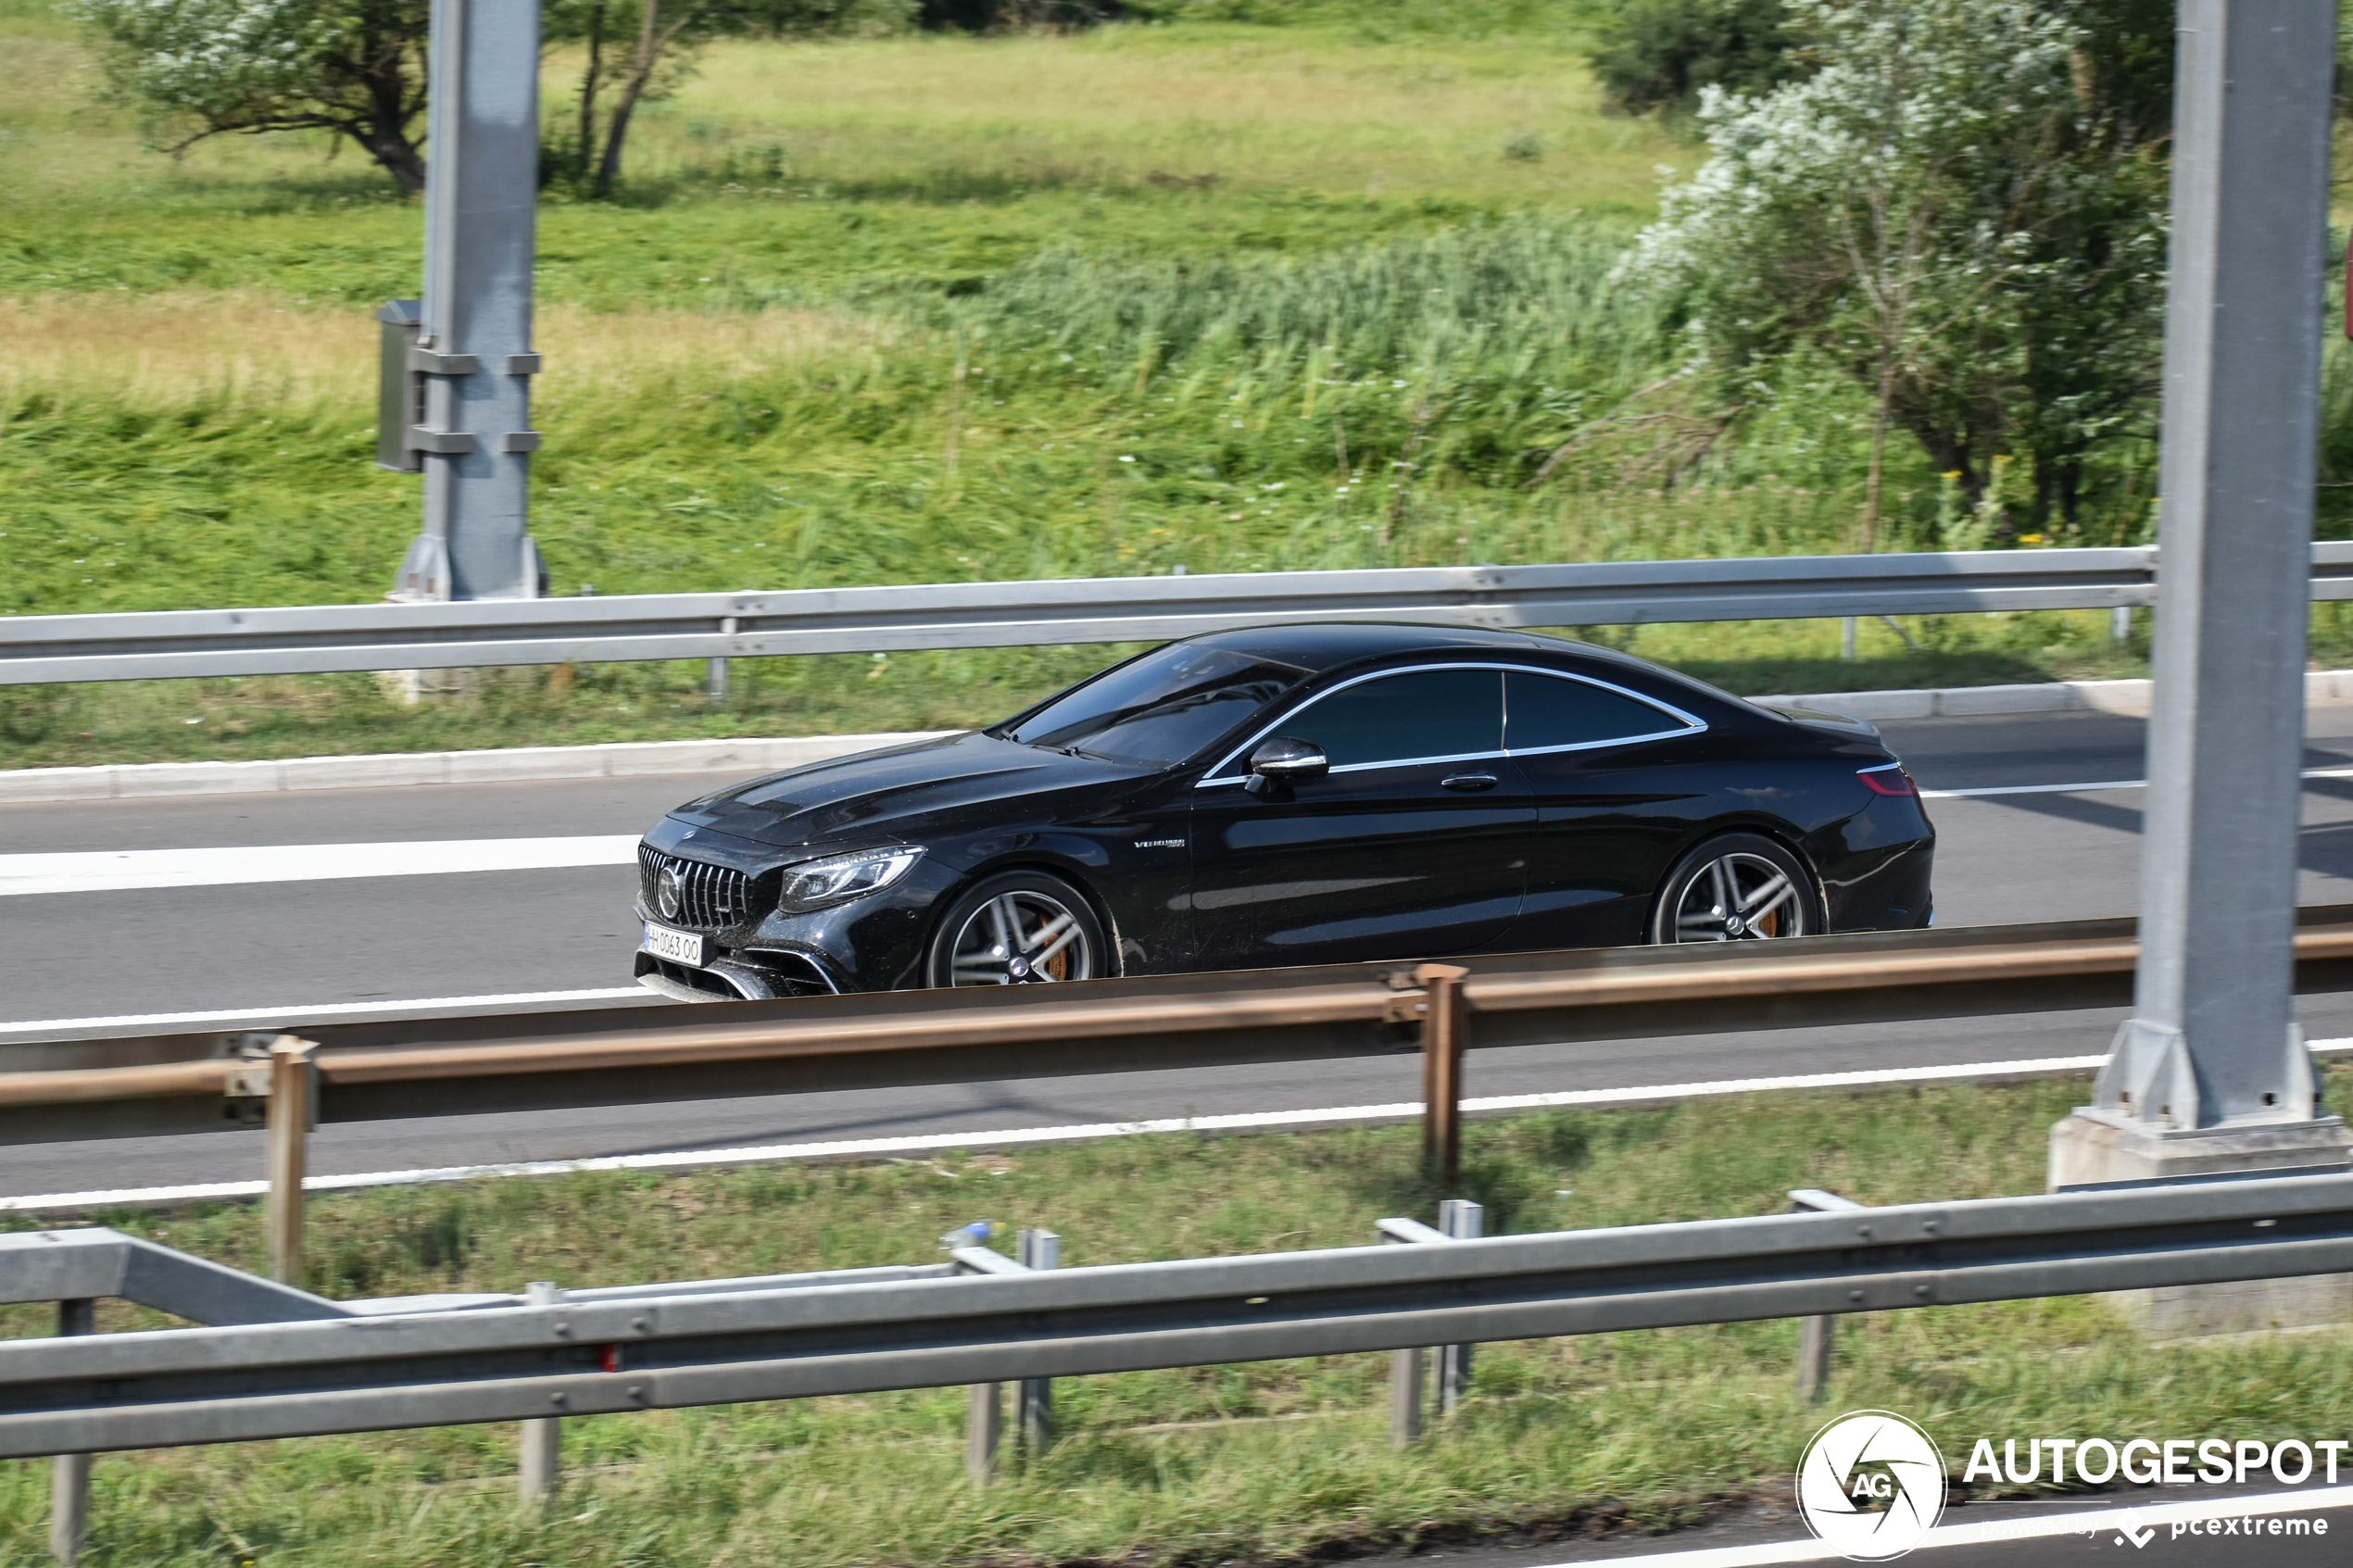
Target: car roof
[(1320, 646)]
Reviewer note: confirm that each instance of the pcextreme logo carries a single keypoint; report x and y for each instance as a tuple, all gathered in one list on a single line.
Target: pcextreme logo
[(1871, 1484)]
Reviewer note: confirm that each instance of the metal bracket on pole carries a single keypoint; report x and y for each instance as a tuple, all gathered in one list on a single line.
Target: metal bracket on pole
[(1814, 1334)]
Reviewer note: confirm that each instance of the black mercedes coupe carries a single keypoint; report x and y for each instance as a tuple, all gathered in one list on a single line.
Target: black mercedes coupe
[(1291, 795)]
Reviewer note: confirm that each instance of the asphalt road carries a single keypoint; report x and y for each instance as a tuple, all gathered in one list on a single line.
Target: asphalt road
[(1747, 1537), (278, 948)]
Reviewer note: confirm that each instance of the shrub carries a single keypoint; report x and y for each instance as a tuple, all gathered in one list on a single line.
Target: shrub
[(1656, 54)]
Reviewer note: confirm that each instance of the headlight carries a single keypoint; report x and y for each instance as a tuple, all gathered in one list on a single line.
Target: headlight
[(842, 878)]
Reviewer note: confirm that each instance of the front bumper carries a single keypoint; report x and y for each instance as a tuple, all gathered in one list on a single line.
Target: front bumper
[(748, 973)]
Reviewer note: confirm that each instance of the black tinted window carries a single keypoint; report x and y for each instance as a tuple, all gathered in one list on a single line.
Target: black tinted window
[(1425, 713), (1544, 711), (1160, 708)]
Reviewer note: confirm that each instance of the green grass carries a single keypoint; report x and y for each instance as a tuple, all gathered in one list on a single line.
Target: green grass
[(1211, 293), (1643, 1429)]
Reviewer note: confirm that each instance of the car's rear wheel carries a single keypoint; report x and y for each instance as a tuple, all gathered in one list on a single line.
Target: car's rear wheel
[(1019, 928), (1742, 887)]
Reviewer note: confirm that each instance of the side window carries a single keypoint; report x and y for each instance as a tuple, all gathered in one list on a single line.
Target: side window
[(1546, 710), (1394, 717)]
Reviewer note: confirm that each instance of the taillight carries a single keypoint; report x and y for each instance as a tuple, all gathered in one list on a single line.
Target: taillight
[(1889, 778)]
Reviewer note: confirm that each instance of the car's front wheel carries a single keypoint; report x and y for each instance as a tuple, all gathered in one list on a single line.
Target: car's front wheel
[(1742, 887), (1016, 929)]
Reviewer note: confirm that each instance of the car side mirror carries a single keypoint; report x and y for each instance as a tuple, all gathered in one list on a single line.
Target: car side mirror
[(1284, 761)]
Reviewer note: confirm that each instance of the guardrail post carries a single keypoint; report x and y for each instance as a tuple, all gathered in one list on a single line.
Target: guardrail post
[(984, 1406), (293, 1087), (1814, 1335), (1034, 1397), (717, 685), (540, 1461), (1405, 1398), (1463, 1220), (984, 1429), (1443, 1014), (1404, 1366), (70, 1474)]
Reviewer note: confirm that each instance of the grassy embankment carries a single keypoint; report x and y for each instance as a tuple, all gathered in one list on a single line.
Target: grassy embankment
[(1205, 1465), (890, 311)]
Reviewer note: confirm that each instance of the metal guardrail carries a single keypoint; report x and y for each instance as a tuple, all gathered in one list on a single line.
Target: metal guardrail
[(389, 1070), (424, 1362), (424, 1066), (312, 639)]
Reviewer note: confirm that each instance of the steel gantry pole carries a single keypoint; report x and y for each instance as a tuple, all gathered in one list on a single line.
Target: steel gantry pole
[(457, 373), (2210, 1077)]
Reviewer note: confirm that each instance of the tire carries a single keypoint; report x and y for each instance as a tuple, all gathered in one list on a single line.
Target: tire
[(1773, 893), (1060, 937)]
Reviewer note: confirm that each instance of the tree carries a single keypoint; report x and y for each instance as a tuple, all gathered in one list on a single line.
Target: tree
[(1958, 212), (357, 68), (1660, 54), (637, 51), (210, 68)]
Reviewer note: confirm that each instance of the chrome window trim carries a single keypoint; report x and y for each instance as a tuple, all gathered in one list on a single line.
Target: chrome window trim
[(1690, 724)]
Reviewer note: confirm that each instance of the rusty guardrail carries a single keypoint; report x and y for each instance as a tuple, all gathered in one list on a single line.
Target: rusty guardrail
[(389, 1070)]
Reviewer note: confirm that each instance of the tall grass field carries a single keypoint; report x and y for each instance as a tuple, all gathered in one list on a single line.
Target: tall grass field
[(1216, 295)]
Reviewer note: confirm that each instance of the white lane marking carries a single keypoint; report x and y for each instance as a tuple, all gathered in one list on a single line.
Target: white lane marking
[(922, 1142), (324, 1009), (2086, 788), (106, 870), (1994, 1532)]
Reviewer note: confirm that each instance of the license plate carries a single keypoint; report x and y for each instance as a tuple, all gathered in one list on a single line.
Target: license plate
[(678, 946)]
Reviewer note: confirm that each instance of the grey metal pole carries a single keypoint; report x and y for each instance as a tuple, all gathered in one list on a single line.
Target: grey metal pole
[(1463, 1220), (540, 1463), (984, 1430), (70, 1474), (1404, 1380), (1817, 1336), (1034, 1397), (2211, 1075), (481, 192)]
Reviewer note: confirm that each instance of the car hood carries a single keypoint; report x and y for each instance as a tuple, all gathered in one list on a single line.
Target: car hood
[(954, 782)]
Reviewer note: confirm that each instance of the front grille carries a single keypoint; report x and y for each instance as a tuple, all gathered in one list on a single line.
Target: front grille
[(709, 898)]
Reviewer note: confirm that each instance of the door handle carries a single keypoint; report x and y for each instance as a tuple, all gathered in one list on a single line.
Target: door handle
[(1467, 781)]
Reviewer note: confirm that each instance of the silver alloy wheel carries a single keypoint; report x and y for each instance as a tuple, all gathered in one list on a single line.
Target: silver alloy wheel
[(1021, 937), (1740, 897)]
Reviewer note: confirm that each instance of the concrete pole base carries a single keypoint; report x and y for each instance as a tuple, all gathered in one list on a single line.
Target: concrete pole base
[(2093, 1148)]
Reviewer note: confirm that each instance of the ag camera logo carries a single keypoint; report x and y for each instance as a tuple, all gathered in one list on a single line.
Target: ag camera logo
[(1871, 1484)]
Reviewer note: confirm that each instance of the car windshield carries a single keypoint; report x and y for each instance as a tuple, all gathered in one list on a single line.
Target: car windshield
[(1160, 708)]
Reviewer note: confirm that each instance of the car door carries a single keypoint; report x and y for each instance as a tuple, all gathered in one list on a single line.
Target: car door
[(1614, 790), (1415, 844)]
